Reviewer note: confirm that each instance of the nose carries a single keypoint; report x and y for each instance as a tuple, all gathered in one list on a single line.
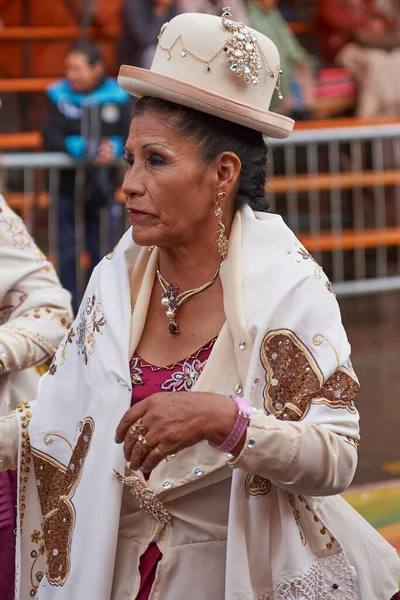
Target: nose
[(133, 184)]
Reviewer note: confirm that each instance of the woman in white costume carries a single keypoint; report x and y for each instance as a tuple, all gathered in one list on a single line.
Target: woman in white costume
[(199, 419), (35, 313)]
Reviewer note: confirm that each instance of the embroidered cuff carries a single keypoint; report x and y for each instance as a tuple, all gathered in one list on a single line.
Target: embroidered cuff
[(270, 449), (18, 352)]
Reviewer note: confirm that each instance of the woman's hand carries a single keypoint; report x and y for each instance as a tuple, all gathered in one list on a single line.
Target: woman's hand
[(172, 421)]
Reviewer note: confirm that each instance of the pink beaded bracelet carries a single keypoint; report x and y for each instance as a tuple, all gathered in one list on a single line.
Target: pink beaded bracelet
[(242, 422)]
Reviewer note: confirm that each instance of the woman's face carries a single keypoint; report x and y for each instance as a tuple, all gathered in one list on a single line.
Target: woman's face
[(169, 193)]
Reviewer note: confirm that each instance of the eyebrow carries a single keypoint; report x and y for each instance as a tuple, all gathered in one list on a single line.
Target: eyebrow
[(155, 144), (150, 144)]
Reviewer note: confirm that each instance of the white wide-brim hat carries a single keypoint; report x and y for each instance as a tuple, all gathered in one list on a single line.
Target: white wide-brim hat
[(216, 66)]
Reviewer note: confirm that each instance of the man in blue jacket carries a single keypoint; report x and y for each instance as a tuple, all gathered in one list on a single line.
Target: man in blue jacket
[(88, 117)]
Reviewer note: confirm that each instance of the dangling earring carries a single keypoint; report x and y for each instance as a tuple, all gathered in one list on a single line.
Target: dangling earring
[(222, 240)]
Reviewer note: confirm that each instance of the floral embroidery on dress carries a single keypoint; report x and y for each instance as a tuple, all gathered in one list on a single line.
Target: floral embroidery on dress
[(294, 380), (49, 313), (61, 352), (12, 229), (318, 272), (11, 301), (186, 378), (136, 372), (91, 321)]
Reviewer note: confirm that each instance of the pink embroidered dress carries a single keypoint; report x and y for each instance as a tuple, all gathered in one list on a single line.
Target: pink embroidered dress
[(148, 379)]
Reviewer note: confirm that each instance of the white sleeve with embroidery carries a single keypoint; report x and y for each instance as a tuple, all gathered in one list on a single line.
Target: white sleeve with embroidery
[(305, 434), (302, 458), (35, 311)]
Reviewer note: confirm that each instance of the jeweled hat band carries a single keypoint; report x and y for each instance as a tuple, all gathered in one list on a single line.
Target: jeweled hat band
[(246, 58)]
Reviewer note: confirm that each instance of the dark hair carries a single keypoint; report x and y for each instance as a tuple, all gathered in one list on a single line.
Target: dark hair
[(214, 136), (90, 49)]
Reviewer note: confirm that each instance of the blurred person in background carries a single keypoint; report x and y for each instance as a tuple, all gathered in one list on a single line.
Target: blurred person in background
[(141, 21), (215, 7), (297, 82), (35, 313), (360, 36), (87, 117)]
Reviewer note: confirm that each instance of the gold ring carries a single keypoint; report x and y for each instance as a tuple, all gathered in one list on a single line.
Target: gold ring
[(137, 430), (145, 443), (157, 450)]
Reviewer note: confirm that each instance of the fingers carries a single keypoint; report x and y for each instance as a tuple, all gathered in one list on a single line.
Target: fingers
[(135, 434), (154, 458), (130, 418), (147, 459), (139, 455)]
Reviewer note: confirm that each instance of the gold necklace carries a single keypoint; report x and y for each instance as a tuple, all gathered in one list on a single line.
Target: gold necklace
[(171, 301)]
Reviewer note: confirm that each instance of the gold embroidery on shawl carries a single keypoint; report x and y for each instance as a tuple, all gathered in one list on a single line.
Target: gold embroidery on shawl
[(307, 256), (353, 441), (297, 516), (294, 380), (256, 485), (318, 340), (323, 530), (339, 391), (48, 440), (25, 419), (36, 578), (62, 351), (318, 269), (293, 376), (56, 487), (11, 301)]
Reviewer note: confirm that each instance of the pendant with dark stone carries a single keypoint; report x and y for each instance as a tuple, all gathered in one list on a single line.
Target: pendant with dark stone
[(173, 327)]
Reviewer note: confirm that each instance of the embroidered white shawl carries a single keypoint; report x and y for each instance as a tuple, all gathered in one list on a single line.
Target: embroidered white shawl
[(281, 545), (32, 303)]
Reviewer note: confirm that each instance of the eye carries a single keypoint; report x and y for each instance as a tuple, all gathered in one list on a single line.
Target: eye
[(129, 160), (156, 160)]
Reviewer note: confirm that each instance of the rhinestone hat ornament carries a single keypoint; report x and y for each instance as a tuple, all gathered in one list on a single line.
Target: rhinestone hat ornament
[(243, 55)]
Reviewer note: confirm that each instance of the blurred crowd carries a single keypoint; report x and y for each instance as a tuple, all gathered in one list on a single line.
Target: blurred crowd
[(361, 35), (88, 114)]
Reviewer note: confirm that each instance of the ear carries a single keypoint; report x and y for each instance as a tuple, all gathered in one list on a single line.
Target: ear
[(227, 172), (98, 69)]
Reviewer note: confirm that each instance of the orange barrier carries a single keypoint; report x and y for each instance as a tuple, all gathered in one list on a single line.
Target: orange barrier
[(345, 122), (326, 181), (31, 84), (32, 140), (30, 34), (29, 140), (350, 240)]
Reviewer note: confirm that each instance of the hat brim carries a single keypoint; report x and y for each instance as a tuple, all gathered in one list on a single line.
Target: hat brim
[(142, 82)]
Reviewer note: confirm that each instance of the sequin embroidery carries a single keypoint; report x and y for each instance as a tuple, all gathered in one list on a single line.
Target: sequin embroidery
[(294, 380)]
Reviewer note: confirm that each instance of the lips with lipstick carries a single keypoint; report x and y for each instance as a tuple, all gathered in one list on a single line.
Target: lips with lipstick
[(135, 214)]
